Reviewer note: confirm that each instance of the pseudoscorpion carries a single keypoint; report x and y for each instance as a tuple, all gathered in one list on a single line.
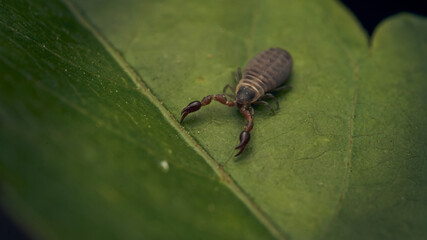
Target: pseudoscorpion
[(264, 74)]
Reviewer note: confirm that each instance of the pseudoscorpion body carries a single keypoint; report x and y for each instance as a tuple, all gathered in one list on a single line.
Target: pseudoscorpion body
[(264, 74)]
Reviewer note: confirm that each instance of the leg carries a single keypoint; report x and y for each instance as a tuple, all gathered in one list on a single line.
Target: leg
[(237, 76), (196, 105), (281, 88), (264, 103), (230, 95), (239, 73), (245, 136), (270, 96), (228, 86)]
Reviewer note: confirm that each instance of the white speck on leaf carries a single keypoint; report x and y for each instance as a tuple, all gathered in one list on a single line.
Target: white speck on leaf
[(164, 165)]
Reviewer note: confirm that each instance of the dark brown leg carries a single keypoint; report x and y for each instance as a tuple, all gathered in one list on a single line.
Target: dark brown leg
[(245, 136), (271, 96), (281, 88), (239, 73), (264, 103), (237, 76), (230, 95), (228, 86), (196, 105)]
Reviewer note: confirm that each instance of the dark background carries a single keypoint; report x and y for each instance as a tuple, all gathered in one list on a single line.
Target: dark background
[(369, 13)]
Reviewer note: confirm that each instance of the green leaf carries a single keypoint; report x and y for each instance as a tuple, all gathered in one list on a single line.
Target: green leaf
[(85, 154), (82, 144)]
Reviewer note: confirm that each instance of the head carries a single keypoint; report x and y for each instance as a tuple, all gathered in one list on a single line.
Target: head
[(246, 95)]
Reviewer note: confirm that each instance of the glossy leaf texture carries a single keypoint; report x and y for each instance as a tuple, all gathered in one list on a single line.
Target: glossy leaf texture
[(344, 157)]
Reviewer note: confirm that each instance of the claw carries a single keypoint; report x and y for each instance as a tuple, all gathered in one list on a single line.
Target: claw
[(244, 139), (192, 107)]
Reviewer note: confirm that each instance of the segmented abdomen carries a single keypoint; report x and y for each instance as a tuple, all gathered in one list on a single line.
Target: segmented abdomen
[(266, 71)]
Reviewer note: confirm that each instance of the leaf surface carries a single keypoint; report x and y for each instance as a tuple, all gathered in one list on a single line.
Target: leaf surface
[(344, 157), (84, 154)]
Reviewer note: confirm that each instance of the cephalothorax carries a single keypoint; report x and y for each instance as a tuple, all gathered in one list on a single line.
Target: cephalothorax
[(264, 74)]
